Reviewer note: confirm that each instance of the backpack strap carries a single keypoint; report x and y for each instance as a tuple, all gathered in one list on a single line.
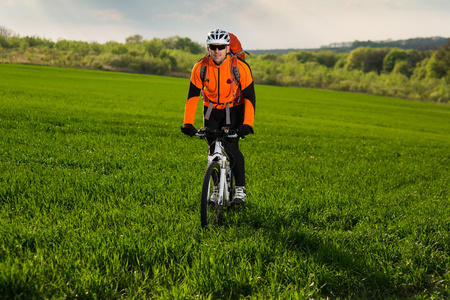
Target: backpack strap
[(227, 115), (242, 52), (203, 68), (237, 77), (209, 110), (235, 70)]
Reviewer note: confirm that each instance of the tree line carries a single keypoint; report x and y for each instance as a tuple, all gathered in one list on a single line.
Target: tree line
[(411, 74), (431, 43)]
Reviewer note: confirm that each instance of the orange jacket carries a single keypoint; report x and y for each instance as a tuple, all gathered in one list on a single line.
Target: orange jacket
[(218, 89)]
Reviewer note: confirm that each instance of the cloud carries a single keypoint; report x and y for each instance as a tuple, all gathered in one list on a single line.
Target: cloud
[(107, 15), (7, 3), (177, 16), (216, 7)]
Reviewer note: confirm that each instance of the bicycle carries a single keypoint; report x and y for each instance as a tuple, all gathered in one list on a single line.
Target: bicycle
[(218, 178)]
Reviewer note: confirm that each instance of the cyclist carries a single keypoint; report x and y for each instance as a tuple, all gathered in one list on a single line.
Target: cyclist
[(229, 101)]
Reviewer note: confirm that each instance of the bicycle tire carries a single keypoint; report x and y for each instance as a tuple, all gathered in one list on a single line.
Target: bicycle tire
[(208, 212), (230, 183)]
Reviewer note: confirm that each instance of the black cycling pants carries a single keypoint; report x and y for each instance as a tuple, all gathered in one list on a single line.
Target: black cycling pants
[(217, 120)]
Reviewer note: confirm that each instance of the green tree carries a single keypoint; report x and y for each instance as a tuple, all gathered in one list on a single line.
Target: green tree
[(341, 62), (168, 60), (416, 56), (5, 32), (401, 67), (80, 48), (14, 42), (304, 56), (63, 45), (355, 61), (442, 57), (327, 58), (373, 60), (268, 57), (119, 49), (392, 57), (186, 44), (96, 48), (154, 47), (4, 41), (425, 70), (135, 39)]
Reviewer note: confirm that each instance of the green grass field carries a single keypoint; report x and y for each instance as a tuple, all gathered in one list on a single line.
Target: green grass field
[(348, 194)]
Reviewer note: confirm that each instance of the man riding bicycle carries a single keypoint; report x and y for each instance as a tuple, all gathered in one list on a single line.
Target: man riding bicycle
[(226, 84)]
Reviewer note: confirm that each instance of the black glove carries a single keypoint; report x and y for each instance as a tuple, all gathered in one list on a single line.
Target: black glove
[(243, 130), (188, 129)]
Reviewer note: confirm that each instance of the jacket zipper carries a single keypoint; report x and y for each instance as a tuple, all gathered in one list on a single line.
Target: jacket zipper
[(218, 85)]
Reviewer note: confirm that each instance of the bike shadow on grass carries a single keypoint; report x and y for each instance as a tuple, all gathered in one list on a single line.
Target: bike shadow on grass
[(351, 275)]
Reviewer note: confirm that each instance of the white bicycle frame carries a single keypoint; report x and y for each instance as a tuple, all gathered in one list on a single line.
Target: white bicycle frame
[(220, 156)]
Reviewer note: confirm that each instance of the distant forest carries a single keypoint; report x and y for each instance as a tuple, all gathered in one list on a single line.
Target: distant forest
[(417, 69), (431, 43)]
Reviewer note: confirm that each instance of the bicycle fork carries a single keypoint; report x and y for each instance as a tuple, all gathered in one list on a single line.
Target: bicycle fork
[(223, 188), (224, 193)]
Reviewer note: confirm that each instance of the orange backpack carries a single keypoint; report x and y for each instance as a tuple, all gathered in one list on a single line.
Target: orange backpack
[(236, 47)]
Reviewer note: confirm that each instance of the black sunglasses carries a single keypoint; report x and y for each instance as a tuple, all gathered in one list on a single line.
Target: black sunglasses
[(214, 47)]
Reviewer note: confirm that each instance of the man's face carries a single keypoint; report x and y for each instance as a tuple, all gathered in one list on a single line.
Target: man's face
[(218, 52)]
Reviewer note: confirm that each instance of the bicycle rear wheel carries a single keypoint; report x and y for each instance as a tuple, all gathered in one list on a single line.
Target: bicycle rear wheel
[(208, 209)]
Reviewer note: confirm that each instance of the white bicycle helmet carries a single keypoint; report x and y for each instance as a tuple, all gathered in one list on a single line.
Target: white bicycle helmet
[(218, 36)]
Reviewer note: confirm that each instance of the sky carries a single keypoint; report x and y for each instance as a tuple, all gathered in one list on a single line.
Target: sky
[(259, 24)]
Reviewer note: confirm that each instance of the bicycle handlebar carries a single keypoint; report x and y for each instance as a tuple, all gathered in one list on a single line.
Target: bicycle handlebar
[(223, 133)]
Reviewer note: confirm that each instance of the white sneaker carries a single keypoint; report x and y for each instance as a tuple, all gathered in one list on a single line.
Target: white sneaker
[(215, 195), (240, 195)]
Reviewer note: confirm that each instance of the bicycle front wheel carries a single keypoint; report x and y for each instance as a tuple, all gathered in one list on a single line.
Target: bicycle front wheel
[(208, 208)]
